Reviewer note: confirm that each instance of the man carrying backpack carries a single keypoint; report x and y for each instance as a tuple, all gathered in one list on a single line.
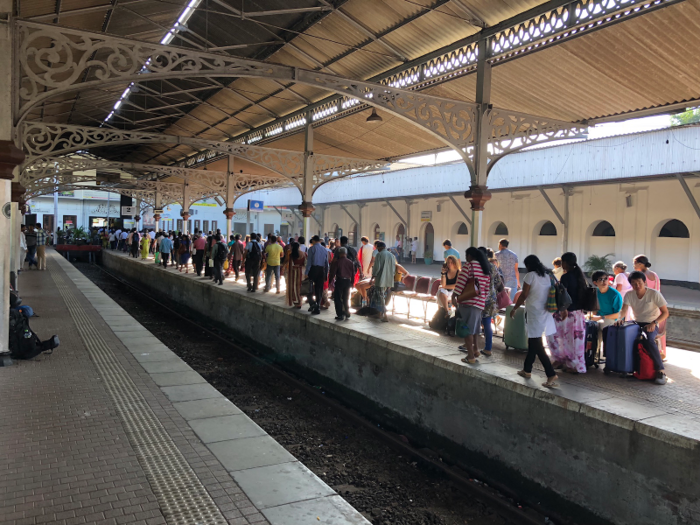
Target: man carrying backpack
[(219, 252), (252, 260)]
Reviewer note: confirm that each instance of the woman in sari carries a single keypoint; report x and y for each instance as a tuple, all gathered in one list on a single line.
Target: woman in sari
[(145, 246), (184, 253), (295, 272), (642, 264)]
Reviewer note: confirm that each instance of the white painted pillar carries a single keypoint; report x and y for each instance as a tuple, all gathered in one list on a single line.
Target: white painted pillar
[(307, 207), (477, 228), (230, 197), (185, 207), (10, 157)]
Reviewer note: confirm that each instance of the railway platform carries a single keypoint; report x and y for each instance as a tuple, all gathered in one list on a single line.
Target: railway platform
[(113, 428), (594, 437)]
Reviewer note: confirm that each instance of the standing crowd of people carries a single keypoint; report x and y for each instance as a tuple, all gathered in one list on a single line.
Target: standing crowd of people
[(325, 270)]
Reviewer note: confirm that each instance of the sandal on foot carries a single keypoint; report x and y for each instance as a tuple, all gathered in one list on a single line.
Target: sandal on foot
[(487, 353), (523, 373), (550, 384), (463, 348), (469, 361)]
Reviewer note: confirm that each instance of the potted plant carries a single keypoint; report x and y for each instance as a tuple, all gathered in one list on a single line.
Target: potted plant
[(598, 262), (428, 256), (80, 236)]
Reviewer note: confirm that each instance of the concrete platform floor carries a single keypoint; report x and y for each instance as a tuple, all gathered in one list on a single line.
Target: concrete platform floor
[(674, 407), (114, 428)]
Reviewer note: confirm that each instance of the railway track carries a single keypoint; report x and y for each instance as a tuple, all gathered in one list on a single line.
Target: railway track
[(499, 497)]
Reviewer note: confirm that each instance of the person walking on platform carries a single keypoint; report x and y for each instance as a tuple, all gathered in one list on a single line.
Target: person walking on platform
[(135, 243), (30, 236), (184, 253), (273, 259), (237, 252), (568, 344), (166, 248), (295, 272), (343, 271), (199, 245), (219, 252), (22, 247), (383, 271), (252, 260), (145, 245), (317, 272), (122, 241), (538, 320), (650, 312), (40, 247), (508, 263)]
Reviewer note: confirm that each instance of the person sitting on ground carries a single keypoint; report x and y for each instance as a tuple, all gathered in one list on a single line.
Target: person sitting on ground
[(557, 271), (650, 310), (448, 280), (449, 250), (538, 320), (343, 271)]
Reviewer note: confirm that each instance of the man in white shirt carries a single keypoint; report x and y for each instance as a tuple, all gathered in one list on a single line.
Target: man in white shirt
[(650, 309), (122, 240), (414, 249)]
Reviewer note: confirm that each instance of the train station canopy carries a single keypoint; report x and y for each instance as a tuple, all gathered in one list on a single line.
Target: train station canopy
[(163, 89)]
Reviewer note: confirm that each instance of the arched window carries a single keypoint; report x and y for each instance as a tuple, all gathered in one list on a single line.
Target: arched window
[(462, 230), (548, 229), (352, 235), (604, 229), (501, 229), (675, 228)]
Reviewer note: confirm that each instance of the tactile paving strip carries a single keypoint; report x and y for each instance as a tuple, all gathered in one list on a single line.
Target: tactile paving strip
[(182, 498)]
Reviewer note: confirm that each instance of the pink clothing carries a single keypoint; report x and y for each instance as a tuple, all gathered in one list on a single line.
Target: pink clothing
[(653, 280), (200, 243), (568, 344)]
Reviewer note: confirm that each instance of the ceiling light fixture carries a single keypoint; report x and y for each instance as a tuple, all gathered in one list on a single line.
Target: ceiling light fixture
[(374, 117)]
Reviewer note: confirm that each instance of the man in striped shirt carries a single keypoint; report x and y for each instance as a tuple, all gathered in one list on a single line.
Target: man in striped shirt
[(470, 308), (40, 247)]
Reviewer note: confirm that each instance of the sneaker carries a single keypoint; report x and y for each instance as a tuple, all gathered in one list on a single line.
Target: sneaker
[(315, 311), (339, 318), (660, 378)]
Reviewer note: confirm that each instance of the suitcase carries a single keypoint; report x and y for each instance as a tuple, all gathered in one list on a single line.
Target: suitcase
[(515, 331), (592, 344), (619, 348), (643, 364)]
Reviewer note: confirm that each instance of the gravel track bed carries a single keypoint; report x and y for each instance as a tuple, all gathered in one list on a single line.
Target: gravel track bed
[(386, 487)]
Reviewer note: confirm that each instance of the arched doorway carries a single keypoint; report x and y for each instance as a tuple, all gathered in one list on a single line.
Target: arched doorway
[(376, 233), (401, 234), (428, 240), (352, 235), (671, 250)]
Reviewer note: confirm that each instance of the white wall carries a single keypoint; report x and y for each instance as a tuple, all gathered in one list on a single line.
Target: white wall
[(636, 227)]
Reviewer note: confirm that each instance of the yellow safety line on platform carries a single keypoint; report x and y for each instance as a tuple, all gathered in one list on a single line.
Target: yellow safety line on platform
[(181, 495)]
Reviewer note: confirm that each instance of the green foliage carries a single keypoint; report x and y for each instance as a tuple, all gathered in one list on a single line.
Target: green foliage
[(690, 116), (598, 262), (80, 233)]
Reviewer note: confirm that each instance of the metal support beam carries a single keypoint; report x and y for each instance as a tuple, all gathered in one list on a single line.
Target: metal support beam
[(403, 221), (353, 219), (551, 205), (689, 194), (464, 214), (565, 240), (308, 181)]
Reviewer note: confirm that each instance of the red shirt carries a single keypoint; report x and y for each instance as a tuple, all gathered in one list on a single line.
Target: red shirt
[(473, 270), (200, 243)]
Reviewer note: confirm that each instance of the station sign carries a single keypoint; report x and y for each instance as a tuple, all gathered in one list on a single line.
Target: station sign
[(159, 212), (255, 205), (426, 216), (129, 210)]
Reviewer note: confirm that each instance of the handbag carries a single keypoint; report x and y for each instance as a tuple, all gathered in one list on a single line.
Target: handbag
[(589, 299), (503, 299), (226, 264), (558, 292), (471, 290), (211, 263), (306, 286), (194, 250)]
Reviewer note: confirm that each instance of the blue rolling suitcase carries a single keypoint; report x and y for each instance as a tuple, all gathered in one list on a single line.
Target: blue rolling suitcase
[(619, 348)]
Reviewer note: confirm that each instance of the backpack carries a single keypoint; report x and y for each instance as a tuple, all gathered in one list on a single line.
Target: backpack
[(643, 363), (255, 254), (221, 253), (558, 299), (24, 343), (439, 320)]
